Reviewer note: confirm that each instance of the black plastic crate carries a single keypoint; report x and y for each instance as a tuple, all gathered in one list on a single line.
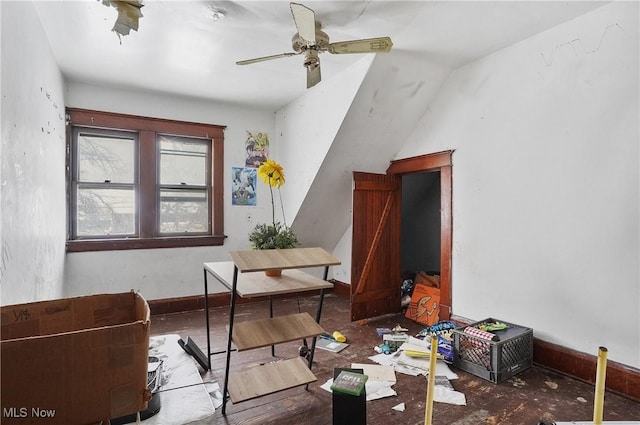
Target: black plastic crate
[(494, 361)]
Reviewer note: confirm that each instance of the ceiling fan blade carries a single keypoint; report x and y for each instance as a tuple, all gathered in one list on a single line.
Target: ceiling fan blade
[(369, 45), (266, 58), (313, 75), (305, 20)]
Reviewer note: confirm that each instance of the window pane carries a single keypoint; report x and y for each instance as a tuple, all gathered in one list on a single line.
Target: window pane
[(105, 212), (183, 161), (183, 211), (103, 158)]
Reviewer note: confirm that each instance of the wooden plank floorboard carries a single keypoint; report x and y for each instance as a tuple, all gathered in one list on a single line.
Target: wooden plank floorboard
[(525, 399)]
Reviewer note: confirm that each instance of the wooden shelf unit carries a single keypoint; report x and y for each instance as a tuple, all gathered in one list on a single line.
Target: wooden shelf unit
[(245, 277)]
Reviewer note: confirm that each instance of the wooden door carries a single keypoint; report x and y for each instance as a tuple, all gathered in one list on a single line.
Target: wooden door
[(375, 262)]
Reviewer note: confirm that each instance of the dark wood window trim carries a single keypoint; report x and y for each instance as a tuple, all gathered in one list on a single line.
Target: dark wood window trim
[(147, 128)]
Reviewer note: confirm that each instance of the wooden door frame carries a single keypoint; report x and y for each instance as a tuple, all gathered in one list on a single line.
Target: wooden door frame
[(440, 161)]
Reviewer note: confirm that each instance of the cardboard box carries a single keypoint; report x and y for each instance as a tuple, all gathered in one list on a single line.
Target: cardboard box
[(74, 361)]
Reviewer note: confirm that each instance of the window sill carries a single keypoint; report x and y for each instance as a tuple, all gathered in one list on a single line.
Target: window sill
[(135, 243)]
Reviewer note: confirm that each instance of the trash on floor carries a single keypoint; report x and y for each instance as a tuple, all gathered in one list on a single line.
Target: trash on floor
[(412, 365), (444, 331), (392, 339), (379, 383), (416, 347), (213, 388), (329, 343), (339, 337), (424, 306), (399, 407), (443, 392)]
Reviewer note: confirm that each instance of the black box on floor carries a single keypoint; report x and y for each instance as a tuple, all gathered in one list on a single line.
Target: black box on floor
[(349, 409), (494, 361)]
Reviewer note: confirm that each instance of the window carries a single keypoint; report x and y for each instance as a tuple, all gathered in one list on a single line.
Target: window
[(138, 182)]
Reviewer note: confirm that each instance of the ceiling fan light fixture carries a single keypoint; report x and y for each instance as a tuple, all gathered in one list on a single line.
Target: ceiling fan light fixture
[(311, 59)]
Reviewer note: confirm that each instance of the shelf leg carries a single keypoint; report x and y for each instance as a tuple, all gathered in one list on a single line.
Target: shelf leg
[(313, 341), (206, 312), (318, 315), (273, 347), (231, 314)]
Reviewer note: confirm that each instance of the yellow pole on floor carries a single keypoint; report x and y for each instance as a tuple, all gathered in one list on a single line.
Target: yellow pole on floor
[(428, 414), (601, 376)]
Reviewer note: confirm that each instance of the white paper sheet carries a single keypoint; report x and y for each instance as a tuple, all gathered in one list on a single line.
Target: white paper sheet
[(412, 366), (376, 372), (182, 385)]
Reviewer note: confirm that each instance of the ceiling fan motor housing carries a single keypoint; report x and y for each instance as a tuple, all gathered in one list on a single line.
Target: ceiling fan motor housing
[(299, 44)]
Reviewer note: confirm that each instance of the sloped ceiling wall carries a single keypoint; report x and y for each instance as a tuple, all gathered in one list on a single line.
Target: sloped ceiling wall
[(307, 128), (390, 101)]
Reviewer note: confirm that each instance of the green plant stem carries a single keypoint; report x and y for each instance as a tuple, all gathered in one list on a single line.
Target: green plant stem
[(273, 207), (284, 219)]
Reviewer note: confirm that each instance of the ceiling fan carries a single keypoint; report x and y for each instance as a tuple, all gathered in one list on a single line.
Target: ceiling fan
[(310, 40)]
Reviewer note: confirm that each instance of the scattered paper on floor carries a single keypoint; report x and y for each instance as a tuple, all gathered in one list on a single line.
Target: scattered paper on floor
[(445, 395), (376, 372), (399, 407), (443, 392), (411, 365), (214, 391)]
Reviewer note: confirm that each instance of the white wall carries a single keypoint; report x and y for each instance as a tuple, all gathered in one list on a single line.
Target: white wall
[(546, 182), (32, 185), (395, 93), (167, 273), (308, 126)]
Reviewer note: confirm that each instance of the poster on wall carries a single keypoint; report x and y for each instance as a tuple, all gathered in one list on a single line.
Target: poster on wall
[(257, 147), (243, 186)]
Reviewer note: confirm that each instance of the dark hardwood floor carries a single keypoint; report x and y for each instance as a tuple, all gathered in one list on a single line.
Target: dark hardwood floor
[(533, 395)]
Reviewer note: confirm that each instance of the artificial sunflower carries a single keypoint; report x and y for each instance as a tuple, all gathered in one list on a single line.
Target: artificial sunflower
[(276, 235), (271, 173)]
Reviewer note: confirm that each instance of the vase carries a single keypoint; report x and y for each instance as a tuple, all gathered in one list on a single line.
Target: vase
[(273, 272)]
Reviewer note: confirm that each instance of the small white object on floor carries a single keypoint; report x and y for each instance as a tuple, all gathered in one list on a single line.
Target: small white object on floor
[(183, 396), (444, 392), (214, 391), (399, 407)]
